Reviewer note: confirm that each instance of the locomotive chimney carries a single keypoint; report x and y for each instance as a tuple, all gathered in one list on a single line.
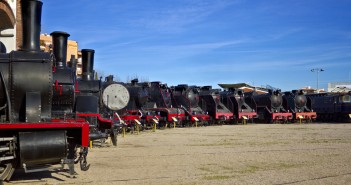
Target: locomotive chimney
[(109, 78), (135, 81), (59, 46), (87, 64), (31, 18)]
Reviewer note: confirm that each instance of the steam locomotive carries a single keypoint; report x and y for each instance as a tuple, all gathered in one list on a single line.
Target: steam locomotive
[(269, 106), (160, 100), (234, 100), (299, 105), (187, 98), (96, 102), (141, 104), (37, 96), (211, 102)]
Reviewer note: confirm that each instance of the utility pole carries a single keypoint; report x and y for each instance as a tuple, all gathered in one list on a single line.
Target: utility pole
[(317, 70)]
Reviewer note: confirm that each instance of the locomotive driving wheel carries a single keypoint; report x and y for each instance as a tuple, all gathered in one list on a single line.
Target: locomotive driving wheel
[(6, 172), (8, 155)]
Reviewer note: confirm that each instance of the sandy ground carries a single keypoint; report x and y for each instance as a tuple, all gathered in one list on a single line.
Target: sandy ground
[(231, 154)]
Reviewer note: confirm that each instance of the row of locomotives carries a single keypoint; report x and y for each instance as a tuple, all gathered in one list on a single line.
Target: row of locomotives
[(93, 99), (210, 101), (269, 107), (299, 105), (160, 101), (134, 116), (35, 133), (331, 107), (234, 99), (187, 98)]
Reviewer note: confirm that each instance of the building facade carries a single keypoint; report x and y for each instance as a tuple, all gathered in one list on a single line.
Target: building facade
[(339, 87), (8, 25)]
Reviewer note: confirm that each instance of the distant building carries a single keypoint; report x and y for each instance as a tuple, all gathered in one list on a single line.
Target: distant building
[(245, 87), (310, 90), (8, 26), (339, 87)]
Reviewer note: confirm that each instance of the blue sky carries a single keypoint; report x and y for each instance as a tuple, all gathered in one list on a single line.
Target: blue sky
[(206, 42)]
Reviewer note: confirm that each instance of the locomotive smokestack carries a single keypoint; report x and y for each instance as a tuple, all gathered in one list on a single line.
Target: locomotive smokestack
[(59, 44), (135, 81), (31, 18), (109, 78), (88, 64)]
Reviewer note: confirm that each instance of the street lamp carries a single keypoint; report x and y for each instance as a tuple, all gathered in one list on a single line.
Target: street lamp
[(317, 70)]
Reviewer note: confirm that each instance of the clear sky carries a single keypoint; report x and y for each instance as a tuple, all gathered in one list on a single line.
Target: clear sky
[(206, 42)]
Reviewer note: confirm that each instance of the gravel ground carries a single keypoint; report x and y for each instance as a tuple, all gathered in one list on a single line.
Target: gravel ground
[(230, 154)]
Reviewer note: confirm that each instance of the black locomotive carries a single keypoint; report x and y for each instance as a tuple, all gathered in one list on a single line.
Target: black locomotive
[(234, 100), (187, 98), (160, 101), (35, 100), (96, 102), (137, 111), (331, 107), (114, 97), (299, 105), (211, 103), (269, 106)]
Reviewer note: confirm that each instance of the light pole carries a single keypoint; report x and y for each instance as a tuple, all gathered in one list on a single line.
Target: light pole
[(317, 70)]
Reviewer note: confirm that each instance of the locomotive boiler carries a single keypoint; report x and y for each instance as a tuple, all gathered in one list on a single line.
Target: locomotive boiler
[(187, 98), (298, 104), (139, 94), (30, 137), (64, 77)]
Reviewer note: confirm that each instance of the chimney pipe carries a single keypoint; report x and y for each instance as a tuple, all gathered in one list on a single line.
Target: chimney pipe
[(59, 46), (135, 81), (31, 18), (109, 78), (87, 64)]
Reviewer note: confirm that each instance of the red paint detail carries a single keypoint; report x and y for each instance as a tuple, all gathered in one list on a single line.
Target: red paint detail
[(200, 117), (306, 115), (223, 115), (56, 85), (55, 124), (249, 115), (95, 115), (79, 120), (282, 116), (178, 116), (130, 117), (149, 118), (60, 90), (76, 87), (85, 135), (54, 69)]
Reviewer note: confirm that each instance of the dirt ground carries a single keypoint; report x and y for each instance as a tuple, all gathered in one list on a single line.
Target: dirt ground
[(230, 154)]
